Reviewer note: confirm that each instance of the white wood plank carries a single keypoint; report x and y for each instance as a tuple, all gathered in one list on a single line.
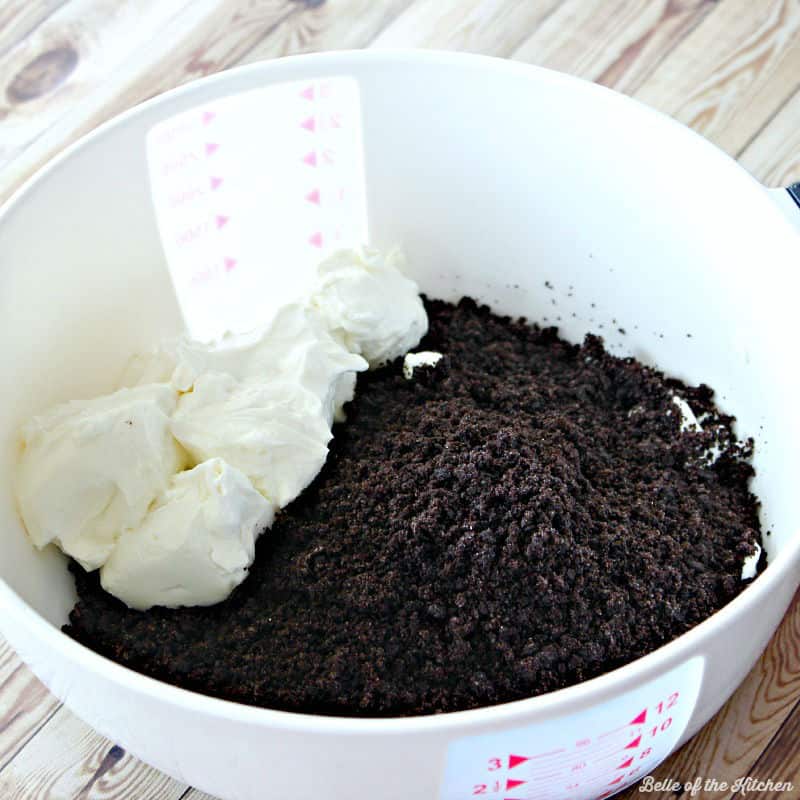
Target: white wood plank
[(333, 25), (733, 72), (614, 42), (25, 704), (728, 77), (19, 17), (51, 70), (773, 156), (67, 760), (127, 52), (492, 27)]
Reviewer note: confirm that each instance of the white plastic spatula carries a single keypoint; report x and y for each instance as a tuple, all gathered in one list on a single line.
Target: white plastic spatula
[(251, 192)]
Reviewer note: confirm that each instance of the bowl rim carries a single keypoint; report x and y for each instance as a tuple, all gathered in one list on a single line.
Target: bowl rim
[(571, 698)]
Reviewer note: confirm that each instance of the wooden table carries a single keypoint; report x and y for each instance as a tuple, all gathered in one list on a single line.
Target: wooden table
[(730, 69)]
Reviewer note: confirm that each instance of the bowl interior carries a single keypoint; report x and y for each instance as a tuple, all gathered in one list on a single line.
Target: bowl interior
[(495, 179)]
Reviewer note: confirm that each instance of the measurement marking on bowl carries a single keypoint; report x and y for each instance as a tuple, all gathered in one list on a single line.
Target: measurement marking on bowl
[(600, 750), (251, 191)]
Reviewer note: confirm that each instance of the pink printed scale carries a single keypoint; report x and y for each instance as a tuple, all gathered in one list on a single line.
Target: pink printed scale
[(251, 191), (601, 750)]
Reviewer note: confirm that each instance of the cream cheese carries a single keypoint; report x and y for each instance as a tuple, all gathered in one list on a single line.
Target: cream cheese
[(251, 415), (425, 358), (750, 565), (688, 419), (295, 347), (369, 305), (89, 469), (275, 432), (196, 543)]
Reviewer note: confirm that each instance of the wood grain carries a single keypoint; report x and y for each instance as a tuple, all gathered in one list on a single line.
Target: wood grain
[(332, 25), (730, 744), (780, 761), (774, 155), (19, 17), (733, 72), (159, 45), (67, 760), (61, 62), (203, 37), (25, 705), (729, 68), (491, 27), (616, 43)]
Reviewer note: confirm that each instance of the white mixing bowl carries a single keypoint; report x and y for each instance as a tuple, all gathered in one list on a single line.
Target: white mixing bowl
[(495, 177)]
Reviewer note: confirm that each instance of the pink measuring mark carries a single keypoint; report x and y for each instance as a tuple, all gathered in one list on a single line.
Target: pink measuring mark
[(640, 719), (597, 773), (173, 130), (541, 776), (614, 730), (313, 197), (310, 158), (611, 745), (632, 745), (562, 764), (192, 234), (309, 124), (603, 775), (315, 239), (308, 93), (205, 271), (514, 760), (211, 148), (230, 263), (184, 196), (586, 750), (510, 783), (207, 117), (221, 221), (176, 164), (215, 182), (612, 742), (615, 754)]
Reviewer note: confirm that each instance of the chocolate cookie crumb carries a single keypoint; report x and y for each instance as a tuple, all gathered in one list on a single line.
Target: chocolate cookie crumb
[(526, 515)]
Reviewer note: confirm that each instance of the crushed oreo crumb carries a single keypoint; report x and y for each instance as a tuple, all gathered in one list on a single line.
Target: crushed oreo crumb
[(524, 516)]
